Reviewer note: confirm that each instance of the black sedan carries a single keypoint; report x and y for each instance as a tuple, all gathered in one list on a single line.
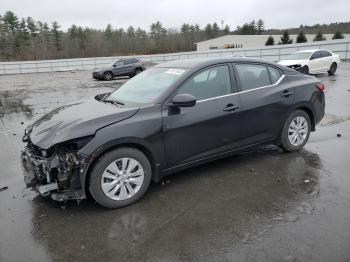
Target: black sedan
[(122, 67), (170, 117)]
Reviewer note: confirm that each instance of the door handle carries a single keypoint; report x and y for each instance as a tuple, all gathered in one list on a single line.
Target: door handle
[(287, 93), (230, 108)]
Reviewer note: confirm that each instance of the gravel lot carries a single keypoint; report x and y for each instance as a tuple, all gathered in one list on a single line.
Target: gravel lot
[(265, 205)]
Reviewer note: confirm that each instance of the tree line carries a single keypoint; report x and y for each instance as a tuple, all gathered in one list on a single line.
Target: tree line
[(30, 39), (301, 38)]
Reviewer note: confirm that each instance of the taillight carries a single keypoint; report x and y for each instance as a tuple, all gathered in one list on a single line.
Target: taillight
[(321, 87)]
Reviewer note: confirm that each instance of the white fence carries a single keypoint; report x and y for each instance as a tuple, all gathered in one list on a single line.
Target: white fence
[(270, 53)]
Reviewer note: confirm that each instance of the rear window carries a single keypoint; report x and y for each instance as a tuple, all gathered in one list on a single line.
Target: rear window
[(325, 53), (316, 55), (275, 74), (252, 76), (129, 61)]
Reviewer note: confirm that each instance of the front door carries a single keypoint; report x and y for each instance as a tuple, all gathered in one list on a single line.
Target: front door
[(315, 63), (208, 128)]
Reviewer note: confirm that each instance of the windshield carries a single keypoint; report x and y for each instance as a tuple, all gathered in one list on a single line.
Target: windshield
[(147, 86), (299, 56)]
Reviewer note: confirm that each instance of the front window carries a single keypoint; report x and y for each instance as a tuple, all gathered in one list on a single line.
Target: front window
[(209, 83), (112, 64), (299, 56), (147, 86)]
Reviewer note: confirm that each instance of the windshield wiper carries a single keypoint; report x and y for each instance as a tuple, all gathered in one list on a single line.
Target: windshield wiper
[(114, 102)]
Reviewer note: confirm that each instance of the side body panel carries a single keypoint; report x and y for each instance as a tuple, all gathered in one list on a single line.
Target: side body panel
[(202, 130)]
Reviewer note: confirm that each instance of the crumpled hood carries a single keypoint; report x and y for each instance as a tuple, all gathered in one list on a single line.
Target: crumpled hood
[(292, 62), (76, 120)]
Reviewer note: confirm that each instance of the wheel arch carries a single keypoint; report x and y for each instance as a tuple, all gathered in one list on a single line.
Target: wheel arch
[(130, 143), (307, 109)]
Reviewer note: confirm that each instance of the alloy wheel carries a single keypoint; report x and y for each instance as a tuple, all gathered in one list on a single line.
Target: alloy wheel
[(298, 131), (108, 76)]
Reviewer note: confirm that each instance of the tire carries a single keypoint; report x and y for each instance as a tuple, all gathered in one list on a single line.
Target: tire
[(295, 121), (137, 71), (120, 187), (332, 69), (304, 70), (108, 76)]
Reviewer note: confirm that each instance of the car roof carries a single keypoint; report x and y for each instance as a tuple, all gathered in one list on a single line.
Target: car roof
[(203, 62), (310, 50)]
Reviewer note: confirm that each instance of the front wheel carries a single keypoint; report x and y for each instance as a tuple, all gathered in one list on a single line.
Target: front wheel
[(120, 177), (304, 70), (296, 131), (332, 69), (108, 76)]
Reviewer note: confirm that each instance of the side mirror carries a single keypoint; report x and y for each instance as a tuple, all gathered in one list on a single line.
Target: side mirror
[(114, 65), (183, 100)]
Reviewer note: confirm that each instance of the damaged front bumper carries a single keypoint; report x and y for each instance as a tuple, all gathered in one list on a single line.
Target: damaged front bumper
[(57, 176), (296, 67)]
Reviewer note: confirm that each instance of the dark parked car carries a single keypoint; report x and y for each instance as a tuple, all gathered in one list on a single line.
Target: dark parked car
[(172, 116), (122, 67)]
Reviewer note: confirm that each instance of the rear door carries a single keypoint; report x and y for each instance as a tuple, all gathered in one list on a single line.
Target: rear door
[(212, 125), (118, 68), (265, 101), (128, 68)]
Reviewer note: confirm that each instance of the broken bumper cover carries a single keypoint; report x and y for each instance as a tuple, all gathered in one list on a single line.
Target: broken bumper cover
[(53, 176), (296, 67)]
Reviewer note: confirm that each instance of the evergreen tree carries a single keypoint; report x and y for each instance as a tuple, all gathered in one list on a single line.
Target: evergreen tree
[(215, 30), (226, 29), (197, 28), (184, 28), (301, 38), (32, 27), (208, 31), (338, 35), (130, 32), (57, 36), (108, 31), (319, 37), (157, 30), (11, 21), (140, 34), (285, 39), (270, 41), (73, 31)]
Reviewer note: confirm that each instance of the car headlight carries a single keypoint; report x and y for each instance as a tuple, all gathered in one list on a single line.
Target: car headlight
[(79, 143), (76, 144)]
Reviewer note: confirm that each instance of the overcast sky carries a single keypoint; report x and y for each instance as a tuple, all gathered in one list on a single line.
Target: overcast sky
[(172, 13)]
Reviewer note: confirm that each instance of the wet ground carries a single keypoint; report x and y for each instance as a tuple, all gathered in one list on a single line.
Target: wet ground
[(261, 206)]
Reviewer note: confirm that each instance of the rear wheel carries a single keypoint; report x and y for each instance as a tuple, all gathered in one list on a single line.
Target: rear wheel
[(137, 71), (120, 177), (296, 131), (108, 76), (332, 69), (304, 70)]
